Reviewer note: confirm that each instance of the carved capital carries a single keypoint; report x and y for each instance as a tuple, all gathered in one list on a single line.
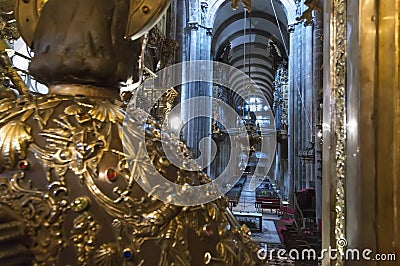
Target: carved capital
[(194, 25), (291, 27)]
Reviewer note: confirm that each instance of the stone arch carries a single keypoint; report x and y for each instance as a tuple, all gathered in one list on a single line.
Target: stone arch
[(288, 5)]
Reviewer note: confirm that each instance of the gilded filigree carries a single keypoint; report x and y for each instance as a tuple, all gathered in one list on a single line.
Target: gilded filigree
[(8, 27), (84, 233), (174, 246), (23, 108), (41, 212), (70, 183), (339, 55), (79, 141), (107, 111)]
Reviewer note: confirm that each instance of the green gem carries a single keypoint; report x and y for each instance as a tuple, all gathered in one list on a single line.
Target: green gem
[(80, 204)]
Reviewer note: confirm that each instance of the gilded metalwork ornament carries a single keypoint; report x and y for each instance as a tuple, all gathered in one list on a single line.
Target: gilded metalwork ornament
[(8, 27), (84, 233), (9, 71), (14, 243), (80, 148), (106, 111), (80, 204), (42, 213), (15, 138), (105, 255), (338, 72)]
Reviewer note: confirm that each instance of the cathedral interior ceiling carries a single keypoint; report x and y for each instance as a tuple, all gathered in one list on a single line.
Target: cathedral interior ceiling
[(253, 39)]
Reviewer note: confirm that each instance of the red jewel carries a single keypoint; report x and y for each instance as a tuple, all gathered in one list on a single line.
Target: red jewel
[(111, 174), (208, 230), (23, 165)]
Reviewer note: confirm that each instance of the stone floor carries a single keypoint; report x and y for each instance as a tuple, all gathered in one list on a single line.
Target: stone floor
[(247, 205), (268, 237)]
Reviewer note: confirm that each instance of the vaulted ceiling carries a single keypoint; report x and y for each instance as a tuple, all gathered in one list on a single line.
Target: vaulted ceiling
[(255, 41)]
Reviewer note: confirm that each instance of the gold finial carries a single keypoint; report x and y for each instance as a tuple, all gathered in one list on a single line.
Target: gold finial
[(10, 72), (246, 3)]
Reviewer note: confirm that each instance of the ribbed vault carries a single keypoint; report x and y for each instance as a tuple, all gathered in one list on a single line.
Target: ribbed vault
[(252, 42)]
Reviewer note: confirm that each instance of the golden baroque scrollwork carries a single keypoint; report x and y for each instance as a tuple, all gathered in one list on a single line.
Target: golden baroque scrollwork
[(84, 235), (8, 27), (68, 162), (42, 213)]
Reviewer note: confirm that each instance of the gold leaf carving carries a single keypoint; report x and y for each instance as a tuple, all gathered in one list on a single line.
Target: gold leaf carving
[(73, 110), (107, 111), (15, 137), (5, 106), (106, 255)]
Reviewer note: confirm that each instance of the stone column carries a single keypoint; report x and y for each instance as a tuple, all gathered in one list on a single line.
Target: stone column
[(317, 88), (198, 47), (180, 23), (308, 101), (291, 114)]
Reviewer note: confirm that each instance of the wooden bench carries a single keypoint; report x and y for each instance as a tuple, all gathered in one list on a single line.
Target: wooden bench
[(233, 196), (268, 204)]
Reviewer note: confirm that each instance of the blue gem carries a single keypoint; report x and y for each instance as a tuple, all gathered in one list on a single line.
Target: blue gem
[(127, 254)]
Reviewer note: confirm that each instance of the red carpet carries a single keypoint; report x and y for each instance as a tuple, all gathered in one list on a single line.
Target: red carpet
[(281, 225)]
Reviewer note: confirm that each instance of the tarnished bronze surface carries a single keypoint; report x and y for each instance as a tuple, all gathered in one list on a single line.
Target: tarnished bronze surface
[(84, 90), (82, 42), (143, 15)]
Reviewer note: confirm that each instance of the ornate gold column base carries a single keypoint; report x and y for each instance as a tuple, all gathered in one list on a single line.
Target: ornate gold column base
[(84, 90)]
